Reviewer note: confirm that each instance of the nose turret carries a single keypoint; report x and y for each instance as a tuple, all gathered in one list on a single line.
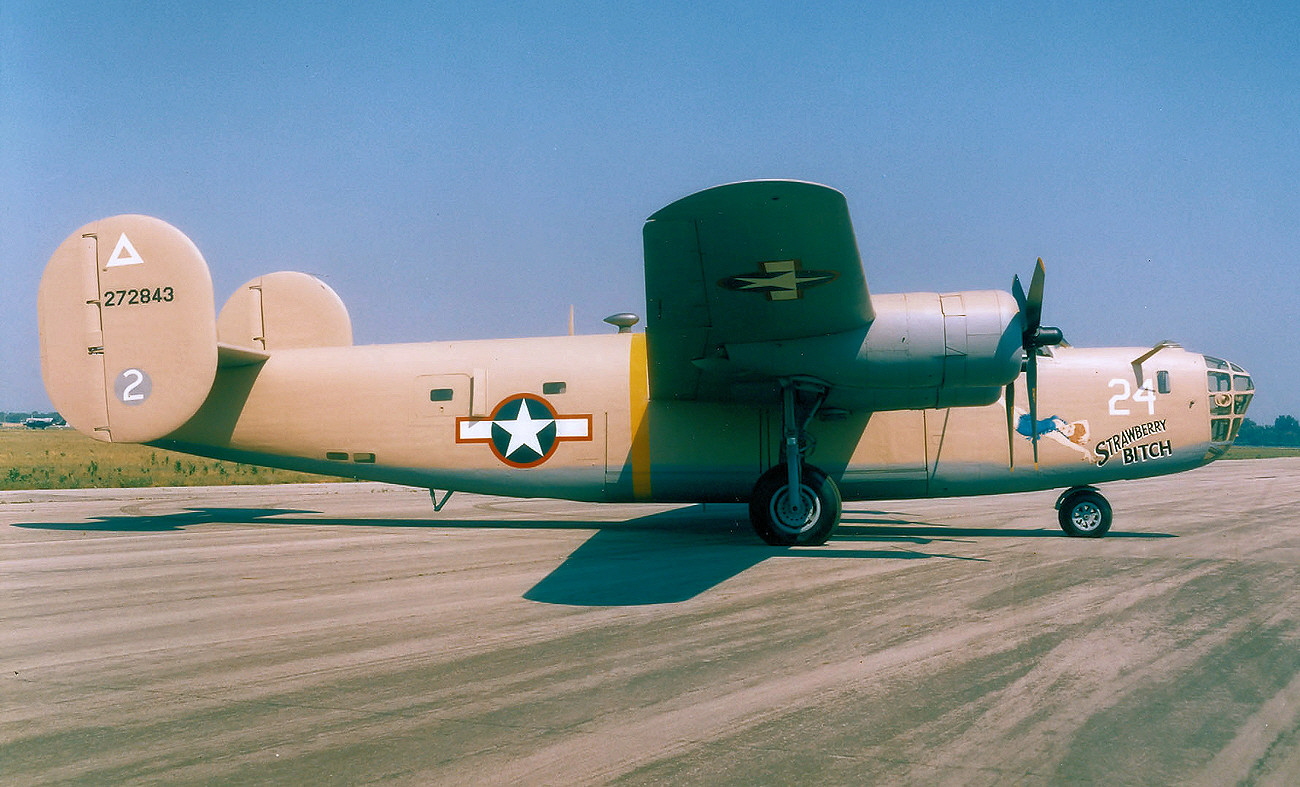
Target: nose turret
[(1230, 392)]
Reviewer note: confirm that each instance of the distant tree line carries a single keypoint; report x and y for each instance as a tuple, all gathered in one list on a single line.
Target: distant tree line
[(1285, 431), (19, 417)]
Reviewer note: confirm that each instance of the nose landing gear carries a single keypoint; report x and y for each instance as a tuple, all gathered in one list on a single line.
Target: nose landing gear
[(1083, 512)]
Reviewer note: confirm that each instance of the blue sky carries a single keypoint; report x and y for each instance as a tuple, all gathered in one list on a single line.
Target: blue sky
[(460, 170)]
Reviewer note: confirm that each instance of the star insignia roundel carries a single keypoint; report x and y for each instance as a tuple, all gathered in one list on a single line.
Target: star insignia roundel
[(524, 430), (779, 280)]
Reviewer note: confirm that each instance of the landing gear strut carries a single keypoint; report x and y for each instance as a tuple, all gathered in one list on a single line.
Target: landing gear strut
[(1083, 512), (805, 518)]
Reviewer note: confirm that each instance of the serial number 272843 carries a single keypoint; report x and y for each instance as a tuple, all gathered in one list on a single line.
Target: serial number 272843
[(134, 297)]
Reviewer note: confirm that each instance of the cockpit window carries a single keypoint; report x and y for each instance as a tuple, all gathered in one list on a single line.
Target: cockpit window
[(1215, 363), (1219, 381), (1242, 402), (1242, 382), (1237, 368), (1219, 429)]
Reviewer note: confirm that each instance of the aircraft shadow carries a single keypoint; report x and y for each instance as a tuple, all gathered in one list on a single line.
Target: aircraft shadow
[(882, 525), (662, 558), (632, 563), (148, 523)]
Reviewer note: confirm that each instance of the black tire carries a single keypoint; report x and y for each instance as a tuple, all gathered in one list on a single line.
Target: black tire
[(1084, 514), (765, 508)]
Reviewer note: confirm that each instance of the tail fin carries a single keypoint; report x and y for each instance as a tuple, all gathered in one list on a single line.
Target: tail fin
[(127, 329), (282, 311)]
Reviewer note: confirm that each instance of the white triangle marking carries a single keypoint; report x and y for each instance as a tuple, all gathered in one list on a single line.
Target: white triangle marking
[(124, 254)]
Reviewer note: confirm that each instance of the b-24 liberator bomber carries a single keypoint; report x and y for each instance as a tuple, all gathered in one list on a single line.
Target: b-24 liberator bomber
[(765, 366)]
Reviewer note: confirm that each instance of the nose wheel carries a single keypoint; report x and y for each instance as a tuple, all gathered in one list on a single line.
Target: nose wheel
[(1083, 513)]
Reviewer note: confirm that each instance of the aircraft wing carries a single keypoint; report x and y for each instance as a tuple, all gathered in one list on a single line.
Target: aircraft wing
[(757, 261)]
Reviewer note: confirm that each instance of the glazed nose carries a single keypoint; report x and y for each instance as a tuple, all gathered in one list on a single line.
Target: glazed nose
[(1230, 392)]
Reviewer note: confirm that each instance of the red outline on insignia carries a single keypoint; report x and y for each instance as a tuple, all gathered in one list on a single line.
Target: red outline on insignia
[(549, 408)]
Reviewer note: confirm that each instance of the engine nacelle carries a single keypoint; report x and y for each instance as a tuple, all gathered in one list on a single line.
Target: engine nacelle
[(922, 350)]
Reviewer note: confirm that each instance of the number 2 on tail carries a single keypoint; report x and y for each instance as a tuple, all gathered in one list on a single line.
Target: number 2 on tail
[(133, 386)]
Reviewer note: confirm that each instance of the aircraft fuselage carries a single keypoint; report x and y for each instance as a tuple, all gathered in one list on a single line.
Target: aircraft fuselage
[(571, 417)]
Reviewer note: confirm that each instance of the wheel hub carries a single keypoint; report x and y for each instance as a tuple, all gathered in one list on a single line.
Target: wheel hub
[(1086, 516), (795, 516)]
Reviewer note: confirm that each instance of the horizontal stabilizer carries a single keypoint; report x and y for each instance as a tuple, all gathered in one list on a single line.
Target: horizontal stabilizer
[(230, 356)]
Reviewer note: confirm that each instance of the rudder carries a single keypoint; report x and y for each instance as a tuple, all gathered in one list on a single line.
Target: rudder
[(127, 329)]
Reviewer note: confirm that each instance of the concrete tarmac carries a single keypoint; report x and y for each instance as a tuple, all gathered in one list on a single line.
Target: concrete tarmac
[(347, 634)]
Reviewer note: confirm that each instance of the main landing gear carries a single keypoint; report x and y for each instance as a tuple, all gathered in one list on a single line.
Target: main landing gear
[(783, 520), (1083, 512), (805, 518)]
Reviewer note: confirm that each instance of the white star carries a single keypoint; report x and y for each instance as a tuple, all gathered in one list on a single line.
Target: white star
[(784, 281), (524, 429)]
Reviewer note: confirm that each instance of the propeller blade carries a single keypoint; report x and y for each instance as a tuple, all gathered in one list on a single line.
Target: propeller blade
[(1032, 383), (1035, 336), (1010, 396), (1034, 303)]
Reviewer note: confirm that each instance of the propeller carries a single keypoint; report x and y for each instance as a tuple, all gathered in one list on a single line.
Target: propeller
[(1035, 335)]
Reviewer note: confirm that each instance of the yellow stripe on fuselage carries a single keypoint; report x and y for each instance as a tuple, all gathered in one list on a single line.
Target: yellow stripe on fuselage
[(639, 393)]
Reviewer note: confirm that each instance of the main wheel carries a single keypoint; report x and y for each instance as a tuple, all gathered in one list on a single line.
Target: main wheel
[(1084, 514), (775, 520)]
